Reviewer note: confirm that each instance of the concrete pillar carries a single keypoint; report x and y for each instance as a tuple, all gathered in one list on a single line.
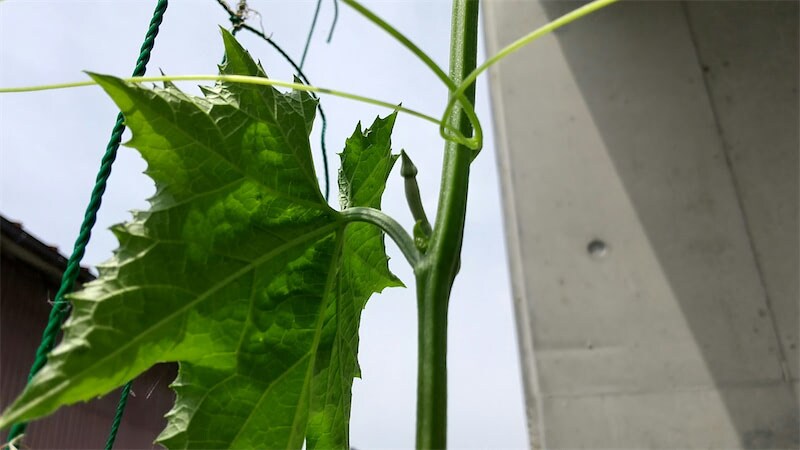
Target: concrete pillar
[(649, 155)]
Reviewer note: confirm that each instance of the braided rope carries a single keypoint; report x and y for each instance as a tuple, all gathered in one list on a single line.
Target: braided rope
[(123, 400), (61, 307)]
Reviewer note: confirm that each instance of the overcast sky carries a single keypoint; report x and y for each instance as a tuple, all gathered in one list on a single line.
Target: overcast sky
[(51, 144)]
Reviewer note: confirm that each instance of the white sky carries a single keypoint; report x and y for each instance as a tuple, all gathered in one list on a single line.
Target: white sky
[(51, 143)]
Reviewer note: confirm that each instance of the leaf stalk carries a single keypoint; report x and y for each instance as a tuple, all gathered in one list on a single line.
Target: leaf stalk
[(389, 226)]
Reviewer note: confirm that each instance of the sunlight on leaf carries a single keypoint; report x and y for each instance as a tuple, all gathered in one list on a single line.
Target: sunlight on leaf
[(240, 271)]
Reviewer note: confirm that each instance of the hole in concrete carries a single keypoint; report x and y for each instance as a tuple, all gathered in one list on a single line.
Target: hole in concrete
[(597, 248)]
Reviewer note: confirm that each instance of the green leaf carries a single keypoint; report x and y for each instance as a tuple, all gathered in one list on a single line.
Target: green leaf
[(366, 163), (240, 271)]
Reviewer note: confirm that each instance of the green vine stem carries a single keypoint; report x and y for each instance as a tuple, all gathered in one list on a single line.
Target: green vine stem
[(437, 270), (469, 80), (244, 79), (389, 226), (477, 140), (402, 39)]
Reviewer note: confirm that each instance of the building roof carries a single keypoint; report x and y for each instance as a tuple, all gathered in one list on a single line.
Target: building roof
[(16, 242)]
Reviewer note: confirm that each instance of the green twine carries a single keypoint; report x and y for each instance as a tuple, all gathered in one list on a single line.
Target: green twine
[(61, 307), (123, 400)]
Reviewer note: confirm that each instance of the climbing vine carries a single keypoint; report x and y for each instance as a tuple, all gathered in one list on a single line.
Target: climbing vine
[(242, 273)]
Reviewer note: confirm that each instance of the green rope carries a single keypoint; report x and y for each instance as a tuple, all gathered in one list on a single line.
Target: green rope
[(123, 400), (61, 307)]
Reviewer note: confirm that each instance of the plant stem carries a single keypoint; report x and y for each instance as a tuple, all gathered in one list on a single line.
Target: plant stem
[(437, 270)]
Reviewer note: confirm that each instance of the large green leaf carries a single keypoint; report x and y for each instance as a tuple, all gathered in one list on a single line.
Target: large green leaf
[(240, 271)]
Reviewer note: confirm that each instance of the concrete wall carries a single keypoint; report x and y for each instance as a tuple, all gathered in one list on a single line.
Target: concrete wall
[(649, 156)]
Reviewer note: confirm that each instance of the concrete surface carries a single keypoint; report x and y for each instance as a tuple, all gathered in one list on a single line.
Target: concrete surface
[(649, 155)]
